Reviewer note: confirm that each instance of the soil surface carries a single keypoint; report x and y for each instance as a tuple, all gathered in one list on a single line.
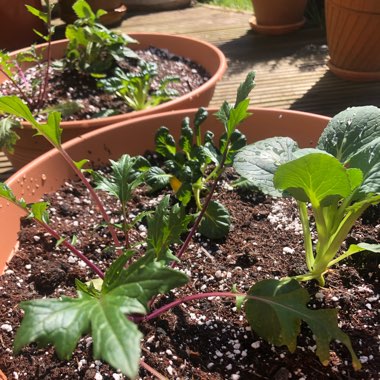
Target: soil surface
[(66, 86), (205, 339)]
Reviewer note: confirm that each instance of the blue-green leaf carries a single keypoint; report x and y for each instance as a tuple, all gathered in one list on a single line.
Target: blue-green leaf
[(259, 161), (350, 131)]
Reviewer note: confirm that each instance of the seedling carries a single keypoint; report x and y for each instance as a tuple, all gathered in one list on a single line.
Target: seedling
[(135, 87), (111, 308), (195, 162), (340, 180)]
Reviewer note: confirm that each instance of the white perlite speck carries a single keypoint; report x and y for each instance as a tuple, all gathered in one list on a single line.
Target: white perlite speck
[(255, 344), (98, 376), (6, 327), (288, 250)]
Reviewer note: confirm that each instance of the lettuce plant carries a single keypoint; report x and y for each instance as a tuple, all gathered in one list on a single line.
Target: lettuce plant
[(339, 179), (112, 306)]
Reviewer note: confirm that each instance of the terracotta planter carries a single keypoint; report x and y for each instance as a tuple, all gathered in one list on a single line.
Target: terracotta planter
[(17, 24), (203, 53), (277, 16), (156, 5), (48, 172), (353, 28), (116, 10)]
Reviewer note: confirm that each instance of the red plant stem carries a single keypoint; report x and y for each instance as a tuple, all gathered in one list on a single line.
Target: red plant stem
[(156, 313), (43, 88), (19, 89), (152, 370), (204, 208), (74, 250), (65, 243), (94, 196), (22, 75)]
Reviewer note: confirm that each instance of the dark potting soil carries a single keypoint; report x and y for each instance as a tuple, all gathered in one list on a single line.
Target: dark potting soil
[(206, 339), (65, 86)]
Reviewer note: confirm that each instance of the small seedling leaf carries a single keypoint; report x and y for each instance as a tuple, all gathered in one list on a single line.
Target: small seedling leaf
[(165, 143), (216, 222)]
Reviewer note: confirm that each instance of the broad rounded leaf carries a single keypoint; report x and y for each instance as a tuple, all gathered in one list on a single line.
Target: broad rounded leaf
[(259, 161), (315, 178), (349, 131), (368, 161)]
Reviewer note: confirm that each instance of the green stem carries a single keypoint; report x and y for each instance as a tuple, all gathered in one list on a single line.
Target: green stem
[(322, 261), (307, 235)]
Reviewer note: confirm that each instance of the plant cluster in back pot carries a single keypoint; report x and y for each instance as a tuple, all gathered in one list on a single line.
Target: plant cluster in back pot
[(99, 76), (144, 278)]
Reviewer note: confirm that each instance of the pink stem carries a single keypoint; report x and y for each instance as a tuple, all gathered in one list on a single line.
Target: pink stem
[(46, 79), (163, 309), (19, 89), (94, 196), (74, 250)]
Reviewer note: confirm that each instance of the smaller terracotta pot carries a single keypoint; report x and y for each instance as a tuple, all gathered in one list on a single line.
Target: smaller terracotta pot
[(203, 53), (17, 24), (2, 375), (277, 16), (353, 38)]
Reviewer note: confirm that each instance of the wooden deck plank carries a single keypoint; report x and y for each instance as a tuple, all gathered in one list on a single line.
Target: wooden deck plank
[(291, 71)]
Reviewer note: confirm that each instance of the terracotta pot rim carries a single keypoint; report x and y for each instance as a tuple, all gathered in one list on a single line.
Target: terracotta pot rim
[(275, 29), (88, 135), (47, 172), (215, 77), (352, 75)]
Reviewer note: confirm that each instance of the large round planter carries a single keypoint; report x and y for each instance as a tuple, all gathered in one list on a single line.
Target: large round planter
[(17, 24), (203, 53), (156, 5), (116, 10), (353, 28), (48, 172), (277, 16)]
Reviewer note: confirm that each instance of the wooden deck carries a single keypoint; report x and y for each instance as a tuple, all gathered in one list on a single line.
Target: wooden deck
[(291, 71)]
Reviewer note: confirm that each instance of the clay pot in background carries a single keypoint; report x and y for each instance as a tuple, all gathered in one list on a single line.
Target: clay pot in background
[(17, 24), (203, 53), (156, 5), (277, 16), (353, 38)]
